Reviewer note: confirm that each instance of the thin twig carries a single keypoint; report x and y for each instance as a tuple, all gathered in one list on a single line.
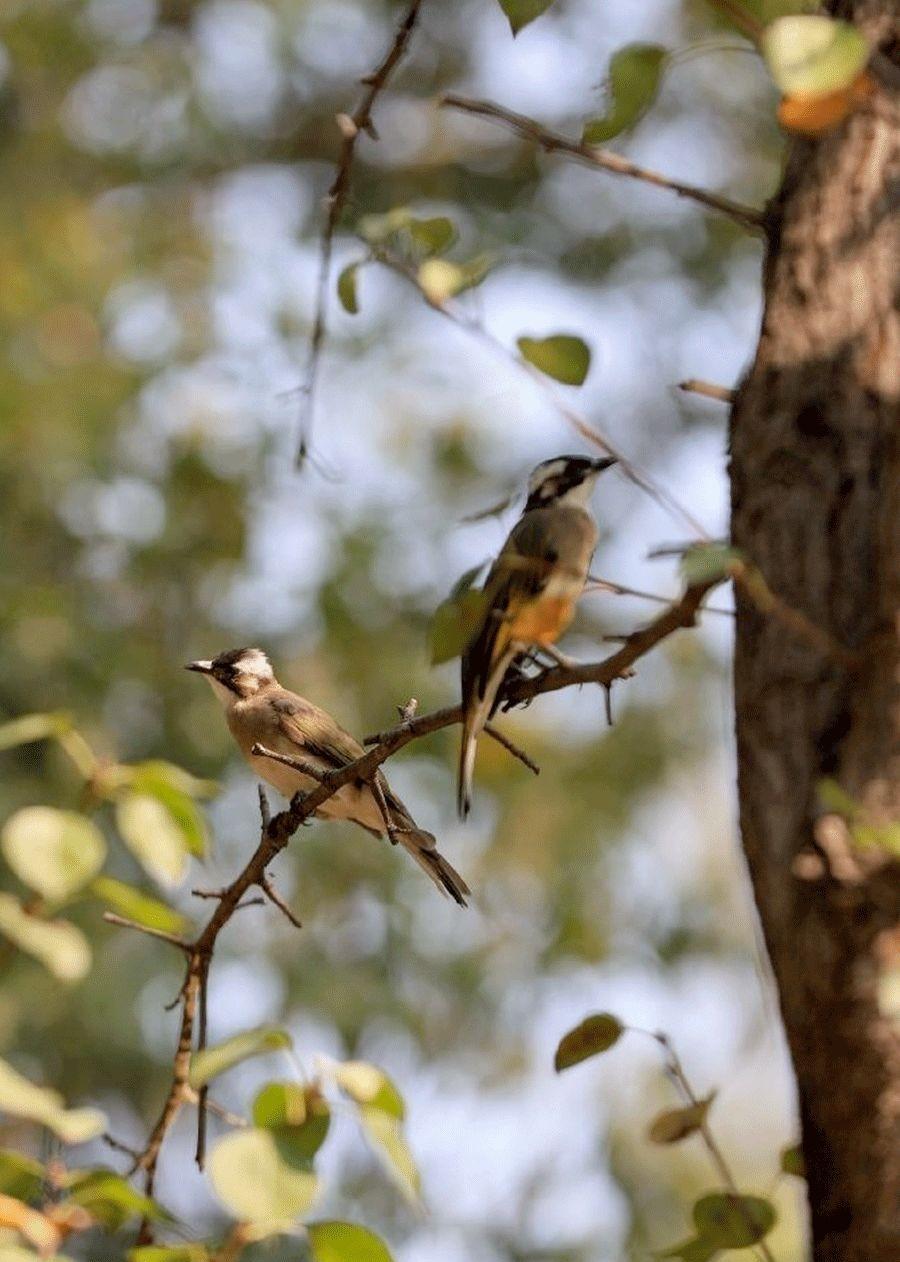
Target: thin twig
[(118, 1146), (200, 1152), (350, 127), (696, 385), (124, 923), (594, 583), (676, 1072), (603, 159), (275, 898), (467, 322), (502, 739)]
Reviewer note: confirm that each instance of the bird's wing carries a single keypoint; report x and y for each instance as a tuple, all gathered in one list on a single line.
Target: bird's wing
[(314, 730), (519, 574)]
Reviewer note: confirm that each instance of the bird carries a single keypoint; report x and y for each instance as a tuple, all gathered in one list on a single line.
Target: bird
[(529, 595), (258, 710)]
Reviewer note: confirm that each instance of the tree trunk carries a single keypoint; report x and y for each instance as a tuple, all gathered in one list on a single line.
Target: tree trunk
[(816, 506)]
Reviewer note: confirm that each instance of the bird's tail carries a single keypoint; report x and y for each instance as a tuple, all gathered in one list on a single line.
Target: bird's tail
[(423, 847), (476, 715)]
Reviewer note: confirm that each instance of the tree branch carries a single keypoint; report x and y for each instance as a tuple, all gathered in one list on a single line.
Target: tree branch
[(350, 127), (695, 385), (552, 142)]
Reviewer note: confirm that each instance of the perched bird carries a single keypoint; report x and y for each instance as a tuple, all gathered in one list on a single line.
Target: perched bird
[(259, 710), (530, 591)]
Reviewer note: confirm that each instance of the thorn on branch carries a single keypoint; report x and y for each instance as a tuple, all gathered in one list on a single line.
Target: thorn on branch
[(502, 739), (275, 898)]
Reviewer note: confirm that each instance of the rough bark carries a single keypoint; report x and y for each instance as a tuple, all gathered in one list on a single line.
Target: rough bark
[(816, 505)]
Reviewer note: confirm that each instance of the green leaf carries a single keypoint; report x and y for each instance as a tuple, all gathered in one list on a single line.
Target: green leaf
[(439, 279), (138, 906), (20, 1176), (769, 10), (169, 1253), (635, 73), (53, 852), (21, 1098), (176, 790), (368, 1085), (837, 800), (674, 1125), (733, 1222), (708, 562), (791, 1161), (33, 727), (562, 357), (253, 1181), (298, 1117), (455, 622), (112, 1200), (346, 288), (884, 836), (377, 229), (813, 55), (345, 1242), (153, 836), (432, 236), (596, 1034), (521, 12), (213, 1061), (385, 1133), (62, 949)]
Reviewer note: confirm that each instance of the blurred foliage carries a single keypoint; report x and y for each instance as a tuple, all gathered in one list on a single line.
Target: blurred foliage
[(161, 170)]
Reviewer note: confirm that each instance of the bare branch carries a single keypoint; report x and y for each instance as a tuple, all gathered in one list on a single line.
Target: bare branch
[(709, 390), (552, 142), (502, 739), (124, 923), (350, 127)]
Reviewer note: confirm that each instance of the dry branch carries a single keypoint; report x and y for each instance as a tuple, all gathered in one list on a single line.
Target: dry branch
[(350, 127), (553, 142)]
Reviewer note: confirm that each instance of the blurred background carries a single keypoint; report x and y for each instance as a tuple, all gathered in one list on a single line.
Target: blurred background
[(162, 169)]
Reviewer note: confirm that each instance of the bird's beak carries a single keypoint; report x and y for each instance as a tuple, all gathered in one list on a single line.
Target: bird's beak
[(604, 462), (202, 668)]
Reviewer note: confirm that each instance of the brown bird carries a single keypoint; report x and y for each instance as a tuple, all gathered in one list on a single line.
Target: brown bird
[(530, 592), (259, 711)]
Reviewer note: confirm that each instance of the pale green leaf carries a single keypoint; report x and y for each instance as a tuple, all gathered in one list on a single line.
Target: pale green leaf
[(346, 288), (635, 73), (563, 357), (12, 1253), (138, 906), (520, 12), (298, 1116), (695, 1250), (368, 1085), (813, 55), (176, 790), (32, 727), (791, 1161), (708, 562), (385, 1134), (674, 1125), (345, 1242), (111, 1199), (53, 852), (432, 236), (769, 10), (20, 1176), (21, 1098), (213, 1061), (61, 948), (253, 1181), (884, 836), (153, 836), (439, 279), (733, 1222), (595, 1034)]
